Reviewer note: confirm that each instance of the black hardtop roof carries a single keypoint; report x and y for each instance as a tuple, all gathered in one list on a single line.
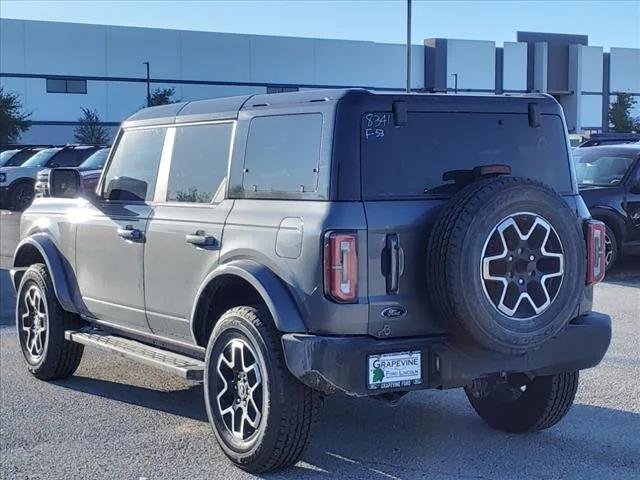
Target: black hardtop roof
[(229, 107)]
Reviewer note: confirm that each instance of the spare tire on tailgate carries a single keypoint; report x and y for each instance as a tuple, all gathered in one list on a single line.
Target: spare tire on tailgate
[(506, 264)]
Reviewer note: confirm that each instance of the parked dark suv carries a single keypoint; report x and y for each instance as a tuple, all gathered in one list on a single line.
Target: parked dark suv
[(289, 246), (609, 182)]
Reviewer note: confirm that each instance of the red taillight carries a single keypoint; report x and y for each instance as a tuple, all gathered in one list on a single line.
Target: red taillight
[(341, 266), (596, 263)]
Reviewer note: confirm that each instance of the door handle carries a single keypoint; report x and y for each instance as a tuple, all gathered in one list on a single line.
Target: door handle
[(130, 233), (392, 263), (201, 239)]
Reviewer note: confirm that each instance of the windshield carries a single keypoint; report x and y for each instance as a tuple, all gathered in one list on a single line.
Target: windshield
[(41, 158), (602, 167), (97, 160), (6, 156)]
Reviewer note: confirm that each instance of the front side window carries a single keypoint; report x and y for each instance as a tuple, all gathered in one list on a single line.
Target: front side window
[(66, 158), (602, 166), (133, 170), (199, 162), (283, 153)]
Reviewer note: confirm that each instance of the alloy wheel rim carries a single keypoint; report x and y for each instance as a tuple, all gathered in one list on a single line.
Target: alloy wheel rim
[(522, 266), (240, 400), (608, 250), (34, 322), (24, 198)]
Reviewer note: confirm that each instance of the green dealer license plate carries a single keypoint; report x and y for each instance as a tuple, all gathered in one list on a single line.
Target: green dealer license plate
[(394, 370)]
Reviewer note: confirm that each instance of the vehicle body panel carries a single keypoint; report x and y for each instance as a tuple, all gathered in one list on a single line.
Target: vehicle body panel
[(150, 288)]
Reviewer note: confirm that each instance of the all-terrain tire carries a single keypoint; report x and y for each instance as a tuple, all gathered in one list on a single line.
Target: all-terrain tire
[(21, 196), (613, 248), (289, 408), (544, 402), (459, 242), (57, 358)]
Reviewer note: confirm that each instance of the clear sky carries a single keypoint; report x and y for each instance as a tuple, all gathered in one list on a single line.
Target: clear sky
[(607, 23)]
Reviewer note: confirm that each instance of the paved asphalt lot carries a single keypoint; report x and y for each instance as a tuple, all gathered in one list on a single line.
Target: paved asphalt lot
[(118, 420)]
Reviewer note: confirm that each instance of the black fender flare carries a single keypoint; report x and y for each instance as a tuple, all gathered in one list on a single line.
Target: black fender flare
[(269, 286), (62, 276)]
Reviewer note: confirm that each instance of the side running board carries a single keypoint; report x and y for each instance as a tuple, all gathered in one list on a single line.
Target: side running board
[(181, 365)]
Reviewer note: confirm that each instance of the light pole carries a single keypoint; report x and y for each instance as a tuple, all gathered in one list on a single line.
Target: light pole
[(408, 46), (148, 85), (455, 83)]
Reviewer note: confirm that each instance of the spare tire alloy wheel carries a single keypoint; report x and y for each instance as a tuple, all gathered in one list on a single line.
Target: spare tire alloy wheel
[(34, 321), (239, 400), (522, 265), (506, 264)]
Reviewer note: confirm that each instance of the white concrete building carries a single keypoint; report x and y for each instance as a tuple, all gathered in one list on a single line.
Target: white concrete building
[(58, 68)]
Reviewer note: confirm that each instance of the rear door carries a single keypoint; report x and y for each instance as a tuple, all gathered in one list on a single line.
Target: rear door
[(185, 232), (403, 189)]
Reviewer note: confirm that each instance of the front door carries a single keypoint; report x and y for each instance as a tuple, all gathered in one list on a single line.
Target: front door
[(185, 230), (632, 205), (111, 234)]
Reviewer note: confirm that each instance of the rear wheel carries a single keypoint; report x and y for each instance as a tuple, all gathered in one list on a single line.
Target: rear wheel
[(41, 323), (21, 196), (261, 415), (518, 406), (611, 248)]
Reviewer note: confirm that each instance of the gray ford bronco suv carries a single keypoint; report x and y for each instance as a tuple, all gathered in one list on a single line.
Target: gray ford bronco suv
[(284, 247)]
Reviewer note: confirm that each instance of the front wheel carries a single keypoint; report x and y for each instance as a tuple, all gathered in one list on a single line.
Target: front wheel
[(261, 415), (518, 406), (41, 323), (21, 196)]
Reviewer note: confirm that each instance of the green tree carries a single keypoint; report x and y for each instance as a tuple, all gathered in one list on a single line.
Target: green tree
[(620, 117), (162, 96), (90, 131), (13, 121)]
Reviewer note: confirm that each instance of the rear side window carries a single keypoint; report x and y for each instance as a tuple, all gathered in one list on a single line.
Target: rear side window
[(283, 153), (199, 162), (132, 173), (409, 161)]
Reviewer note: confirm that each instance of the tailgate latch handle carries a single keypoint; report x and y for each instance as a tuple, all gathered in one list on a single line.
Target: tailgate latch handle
[(392, 263)]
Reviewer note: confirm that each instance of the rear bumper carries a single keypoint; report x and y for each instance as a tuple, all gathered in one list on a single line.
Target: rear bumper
[(331, 364)]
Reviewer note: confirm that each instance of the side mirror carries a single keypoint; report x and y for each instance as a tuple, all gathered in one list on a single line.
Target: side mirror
[(64, 183), (126, 188), (635, 187)]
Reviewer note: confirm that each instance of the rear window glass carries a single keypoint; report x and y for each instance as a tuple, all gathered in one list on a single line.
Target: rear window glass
[(283, 153), (409, 161)]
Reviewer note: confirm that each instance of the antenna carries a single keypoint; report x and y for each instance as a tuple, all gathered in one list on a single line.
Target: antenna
[(408, 46)]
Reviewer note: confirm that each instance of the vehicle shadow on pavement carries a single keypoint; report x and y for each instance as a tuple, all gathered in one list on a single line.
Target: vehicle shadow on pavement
[(429, 434), (188, 403), (437, 435), (626, 273)]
